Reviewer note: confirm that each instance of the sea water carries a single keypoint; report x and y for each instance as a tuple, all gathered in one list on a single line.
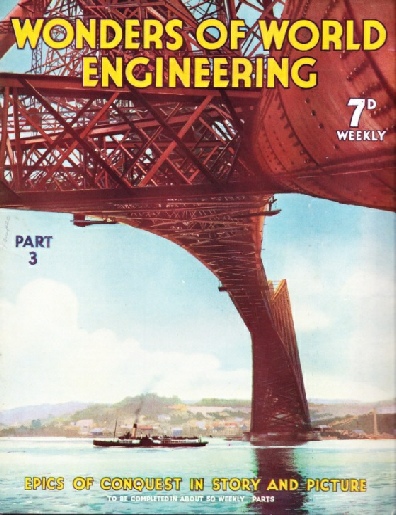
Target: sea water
[(283, 473)]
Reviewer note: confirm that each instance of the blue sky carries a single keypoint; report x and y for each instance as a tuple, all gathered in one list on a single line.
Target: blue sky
[(110, 311)]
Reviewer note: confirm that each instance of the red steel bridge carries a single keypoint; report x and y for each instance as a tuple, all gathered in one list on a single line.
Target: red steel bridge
[(200, 166)]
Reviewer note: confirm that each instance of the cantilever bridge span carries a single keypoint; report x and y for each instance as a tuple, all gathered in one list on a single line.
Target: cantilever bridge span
[(196, 166)]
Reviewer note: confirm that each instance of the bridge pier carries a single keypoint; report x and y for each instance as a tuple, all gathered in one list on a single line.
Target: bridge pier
[(279, 406)]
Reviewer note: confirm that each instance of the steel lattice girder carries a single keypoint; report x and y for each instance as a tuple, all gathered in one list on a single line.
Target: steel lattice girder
[(65, 138)]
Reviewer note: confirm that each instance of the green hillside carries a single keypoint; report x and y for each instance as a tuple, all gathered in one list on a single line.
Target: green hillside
[(149, 405)]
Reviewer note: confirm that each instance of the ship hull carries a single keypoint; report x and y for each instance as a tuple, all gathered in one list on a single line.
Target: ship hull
[(153, 444)]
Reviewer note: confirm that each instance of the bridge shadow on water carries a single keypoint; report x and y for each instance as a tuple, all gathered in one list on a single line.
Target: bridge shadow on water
[(273, 464)]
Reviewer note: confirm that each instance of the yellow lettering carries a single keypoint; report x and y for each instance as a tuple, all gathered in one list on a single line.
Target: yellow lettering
[(112, 72), (36, 482), (153, 31), (308, 25), (312, 79), (272, 485), (86, 34), (324, 485), (170, 29), (131, 34), (216, 484), (310, 484), (368, 26), (236, 34), (130, 67), (179, 71), (242, 70), (220, 79), (272, 34), (89, 65), (201, 70), (68, 33), (259, 73), (281, 72), (212, 43), (331, 34), (110, 33), (350, 43), (159, 72), (27, 32), (105, 483), (255, 483)]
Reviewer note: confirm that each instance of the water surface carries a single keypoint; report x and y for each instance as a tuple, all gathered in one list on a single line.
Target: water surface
[(229, 462)]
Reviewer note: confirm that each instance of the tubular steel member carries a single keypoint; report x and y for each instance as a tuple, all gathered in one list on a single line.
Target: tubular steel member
[(315, 148), (169, 161)]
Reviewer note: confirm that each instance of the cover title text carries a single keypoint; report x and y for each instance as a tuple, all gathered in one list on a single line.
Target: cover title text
[(151, 53)]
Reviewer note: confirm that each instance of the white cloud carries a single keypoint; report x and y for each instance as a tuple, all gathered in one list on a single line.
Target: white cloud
[(308, 318), (318, 386), (47, 357), (369, 282), (344, 327)]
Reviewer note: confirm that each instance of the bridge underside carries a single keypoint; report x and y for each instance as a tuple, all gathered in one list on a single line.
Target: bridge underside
[(224, 232), (175, 162)]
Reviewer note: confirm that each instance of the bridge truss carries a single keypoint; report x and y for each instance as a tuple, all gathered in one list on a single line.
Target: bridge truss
[(169, 161)]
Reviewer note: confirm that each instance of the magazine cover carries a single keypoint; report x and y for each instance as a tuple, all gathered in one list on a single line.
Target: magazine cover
[(197, 234)]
